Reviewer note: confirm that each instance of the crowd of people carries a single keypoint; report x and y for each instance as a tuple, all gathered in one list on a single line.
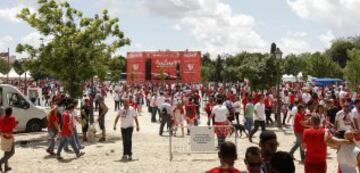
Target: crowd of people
[(320, 116)]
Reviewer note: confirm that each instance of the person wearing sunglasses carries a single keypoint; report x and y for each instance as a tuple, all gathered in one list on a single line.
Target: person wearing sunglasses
[(253, 160)]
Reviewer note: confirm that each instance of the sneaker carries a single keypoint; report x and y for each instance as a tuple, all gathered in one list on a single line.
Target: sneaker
[(81, 147), (59, 158), (80, 154), (7, 169), (124, 157), (50, 152), (129, 158)]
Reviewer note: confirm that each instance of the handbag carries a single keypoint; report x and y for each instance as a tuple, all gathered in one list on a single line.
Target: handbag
[(6, 144)]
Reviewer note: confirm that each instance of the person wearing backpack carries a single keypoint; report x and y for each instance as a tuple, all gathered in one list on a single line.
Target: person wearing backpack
[(229, 105)]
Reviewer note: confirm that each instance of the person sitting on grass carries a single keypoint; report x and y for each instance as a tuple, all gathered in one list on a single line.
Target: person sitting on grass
[(227, 155)]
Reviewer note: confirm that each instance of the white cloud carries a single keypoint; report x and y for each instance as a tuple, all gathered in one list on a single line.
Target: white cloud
[(9, 14), (297, 34), (341, 16), (33, 39), (212, 23), (5, 43), (177, 27), (327, 38), (292, 45), (294, 42)]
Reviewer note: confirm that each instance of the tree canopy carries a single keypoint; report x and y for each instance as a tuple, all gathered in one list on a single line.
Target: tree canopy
[(78, 48)]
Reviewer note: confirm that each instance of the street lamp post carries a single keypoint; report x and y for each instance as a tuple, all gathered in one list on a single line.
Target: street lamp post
[(278, 55)]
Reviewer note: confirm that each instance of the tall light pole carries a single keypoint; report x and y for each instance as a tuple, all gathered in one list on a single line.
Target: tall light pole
[(278, 55)]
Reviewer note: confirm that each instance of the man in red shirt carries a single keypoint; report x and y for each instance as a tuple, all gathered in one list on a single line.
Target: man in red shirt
[(67, 132), (227, 156), (190, 114), (299, 123), (208, 108), (268, 108), (7, 125), (315, 141)]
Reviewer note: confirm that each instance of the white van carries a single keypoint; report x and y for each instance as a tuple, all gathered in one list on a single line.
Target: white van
[(30, 118)]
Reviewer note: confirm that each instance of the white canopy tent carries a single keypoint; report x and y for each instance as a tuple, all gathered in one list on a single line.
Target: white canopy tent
[(12, 73), (288, 78), (28, 75), (2, 75)]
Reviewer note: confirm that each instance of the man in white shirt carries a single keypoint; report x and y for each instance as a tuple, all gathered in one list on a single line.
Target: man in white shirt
[(259, 117), (343, 121), (159, 101), (306, 97), (220, 113), (153, 107), (128, 115)]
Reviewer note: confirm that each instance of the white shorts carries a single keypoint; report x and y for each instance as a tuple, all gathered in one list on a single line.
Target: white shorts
[(347, 155), (347, 169)]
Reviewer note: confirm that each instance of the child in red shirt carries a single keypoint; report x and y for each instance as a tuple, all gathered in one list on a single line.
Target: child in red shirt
[(227, 155)]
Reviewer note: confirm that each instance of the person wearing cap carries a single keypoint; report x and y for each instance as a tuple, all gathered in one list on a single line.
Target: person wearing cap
[(268, 145), (227, 155)]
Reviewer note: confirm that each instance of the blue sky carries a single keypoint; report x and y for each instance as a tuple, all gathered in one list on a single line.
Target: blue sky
[(215, 26)]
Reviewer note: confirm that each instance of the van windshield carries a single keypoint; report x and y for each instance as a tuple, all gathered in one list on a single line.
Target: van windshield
[(16, 100)]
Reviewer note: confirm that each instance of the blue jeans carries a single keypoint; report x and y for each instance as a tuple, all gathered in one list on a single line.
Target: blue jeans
[(65, 140), (248, 123), (76, 138), (51, 139), (297, 145)]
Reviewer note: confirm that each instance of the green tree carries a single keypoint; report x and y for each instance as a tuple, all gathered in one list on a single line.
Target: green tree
[(116, 67), (352, 70), (293, 64), (19, 67), (338, 51), (219, 68), (320, 65), (78, 46), (4, 66)]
